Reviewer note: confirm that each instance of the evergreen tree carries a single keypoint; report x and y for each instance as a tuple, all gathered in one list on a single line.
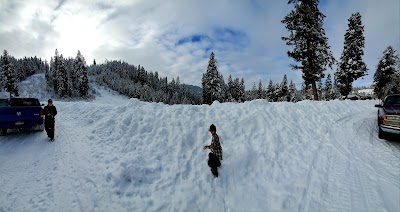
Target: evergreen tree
[(2, 75), (174, 92), (71, 73), (277, 93), (394, 86), (241, 91), (306, 92), (47, 74), (351, 66), (8, 75), (68, 77), (270, 91), (254, 92), (307, 35), (54, 69), (336, 91), (231, 90), (283, 90), (81, 80), (61, 78), (260, 92), (224, 89), (236, 92), (329, 95), (236, 89), (386, 72), (211, 82), (292, 92)]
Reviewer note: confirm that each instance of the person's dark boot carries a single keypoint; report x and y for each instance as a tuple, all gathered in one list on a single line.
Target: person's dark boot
[(214, 172), (51, 134)]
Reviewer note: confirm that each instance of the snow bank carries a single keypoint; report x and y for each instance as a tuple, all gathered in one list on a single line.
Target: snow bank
[(154, 160), (119, 154), (35, 87)]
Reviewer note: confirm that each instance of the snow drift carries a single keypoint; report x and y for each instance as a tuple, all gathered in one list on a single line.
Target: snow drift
[(119, 154)]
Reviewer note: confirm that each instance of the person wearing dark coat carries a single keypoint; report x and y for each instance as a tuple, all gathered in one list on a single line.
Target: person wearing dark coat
[(49, 112)]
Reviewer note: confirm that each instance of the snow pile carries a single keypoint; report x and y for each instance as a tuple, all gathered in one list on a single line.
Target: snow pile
[(35, 87), (4, 95), (119, 154)]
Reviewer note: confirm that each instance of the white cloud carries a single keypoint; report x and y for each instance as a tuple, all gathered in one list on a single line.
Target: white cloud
[(147, 32)]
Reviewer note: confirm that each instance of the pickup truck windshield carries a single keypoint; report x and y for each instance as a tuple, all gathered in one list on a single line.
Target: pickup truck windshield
[(24, 102), (3, 102)]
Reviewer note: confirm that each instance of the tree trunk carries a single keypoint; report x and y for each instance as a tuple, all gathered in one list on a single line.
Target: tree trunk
[(314, 88), (311, 67)]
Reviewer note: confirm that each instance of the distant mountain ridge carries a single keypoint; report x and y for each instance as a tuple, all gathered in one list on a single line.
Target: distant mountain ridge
[(193, 88)]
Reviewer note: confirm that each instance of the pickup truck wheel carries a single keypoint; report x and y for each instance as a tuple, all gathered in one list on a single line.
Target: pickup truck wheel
[(3, 131), (381, 134)]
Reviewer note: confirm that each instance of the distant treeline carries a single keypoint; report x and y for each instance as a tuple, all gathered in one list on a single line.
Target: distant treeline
[(70, 78), (13, 70), (136, 82)]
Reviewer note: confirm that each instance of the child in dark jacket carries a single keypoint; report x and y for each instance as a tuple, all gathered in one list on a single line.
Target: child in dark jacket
[(215, 156)]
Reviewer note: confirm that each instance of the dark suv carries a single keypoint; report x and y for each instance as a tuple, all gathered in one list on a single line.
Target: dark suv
[(389, 115)]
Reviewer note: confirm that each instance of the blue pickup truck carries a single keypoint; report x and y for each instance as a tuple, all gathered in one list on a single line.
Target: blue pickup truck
[(20, 113)]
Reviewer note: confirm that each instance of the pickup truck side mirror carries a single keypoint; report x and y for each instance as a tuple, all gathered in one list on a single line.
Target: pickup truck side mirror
[(42, 104), (380, 106)]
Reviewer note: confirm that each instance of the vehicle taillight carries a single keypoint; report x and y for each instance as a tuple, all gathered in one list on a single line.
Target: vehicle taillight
[(41, 113), (384, 119)]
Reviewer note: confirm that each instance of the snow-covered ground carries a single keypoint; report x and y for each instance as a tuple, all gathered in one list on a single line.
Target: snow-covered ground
[(120, 154)]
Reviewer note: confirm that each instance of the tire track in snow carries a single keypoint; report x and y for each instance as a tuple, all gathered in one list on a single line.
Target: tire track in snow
[(341, 175), (35, 185), (79, 182), (355, 153), (337, 194), (369, 127), (369, 187), (378, 148), (350, 136), (361, 197), (305, 197), (63, 139)]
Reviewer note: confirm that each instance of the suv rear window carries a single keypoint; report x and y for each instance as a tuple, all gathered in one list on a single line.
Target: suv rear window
[(392, 101), (24, 102)]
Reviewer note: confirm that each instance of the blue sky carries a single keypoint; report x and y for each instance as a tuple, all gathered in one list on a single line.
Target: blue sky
[(176, 37)]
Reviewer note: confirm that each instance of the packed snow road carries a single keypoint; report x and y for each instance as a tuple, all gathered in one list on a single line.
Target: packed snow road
[(116, 154)]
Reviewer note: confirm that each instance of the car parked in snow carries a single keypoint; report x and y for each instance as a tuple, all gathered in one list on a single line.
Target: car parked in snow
[(353, 97), (366, 97), (389, 115), (17, 113)]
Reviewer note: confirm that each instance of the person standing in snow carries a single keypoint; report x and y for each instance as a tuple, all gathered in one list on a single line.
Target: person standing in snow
[(49, 113), (215, 156)]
